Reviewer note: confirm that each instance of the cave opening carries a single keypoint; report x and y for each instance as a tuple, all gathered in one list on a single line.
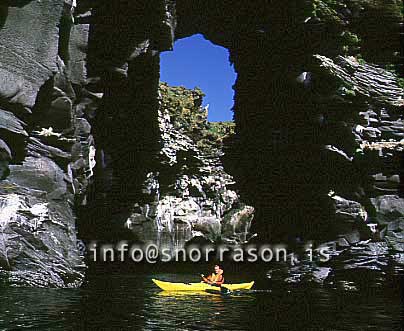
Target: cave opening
[(197, 62)]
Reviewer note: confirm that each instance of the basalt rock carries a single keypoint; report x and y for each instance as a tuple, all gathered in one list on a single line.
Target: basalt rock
[(188, 193), (38, 237), (317, 114), (39, 126)]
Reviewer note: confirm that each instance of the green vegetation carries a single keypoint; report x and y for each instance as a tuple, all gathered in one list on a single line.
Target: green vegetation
[(217, 131), (351, 43), (393, 69), (187, 115), (350, 38), (360, 59), (183, 106), (326, 10)]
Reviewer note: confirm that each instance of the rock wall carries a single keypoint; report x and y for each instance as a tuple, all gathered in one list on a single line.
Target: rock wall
[(82, 131), (187, 196), (295, 153), (45, 144), (376, 123)]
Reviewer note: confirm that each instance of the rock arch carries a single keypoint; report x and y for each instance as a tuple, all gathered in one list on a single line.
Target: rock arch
[(284, 125), (310, 115)]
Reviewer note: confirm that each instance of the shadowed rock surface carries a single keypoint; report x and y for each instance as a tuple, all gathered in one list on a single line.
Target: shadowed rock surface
[(188, 194), (316, 149), (45, 157)]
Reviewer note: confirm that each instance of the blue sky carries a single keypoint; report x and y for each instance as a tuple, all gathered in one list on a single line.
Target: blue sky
[(195, 61)]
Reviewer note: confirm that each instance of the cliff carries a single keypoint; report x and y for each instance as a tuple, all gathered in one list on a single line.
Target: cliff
[(91, 142), (45, 148), (188, 194)]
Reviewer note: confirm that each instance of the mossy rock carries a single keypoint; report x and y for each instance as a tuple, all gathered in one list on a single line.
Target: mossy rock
[(187, 114)]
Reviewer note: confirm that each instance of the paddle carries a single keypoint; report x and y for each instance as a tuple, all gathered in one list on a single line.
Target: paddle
[(223, 289), (205, 280), (203, 277)]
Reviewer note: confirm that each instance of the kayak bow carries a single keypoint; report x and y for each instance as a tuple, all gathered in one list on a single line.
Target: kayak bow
[(168, 286)]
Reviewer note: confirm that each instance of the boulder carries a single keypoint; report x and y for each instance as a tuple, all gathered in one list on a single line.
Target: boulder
[(389, 207), (209, 226), (5, 152), (9, 122), (37, 226), (237, 221), (28, 49)]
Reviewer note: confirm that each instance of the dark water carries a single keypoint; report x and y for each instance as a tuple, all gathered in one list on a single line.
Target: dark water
[(117, 300)]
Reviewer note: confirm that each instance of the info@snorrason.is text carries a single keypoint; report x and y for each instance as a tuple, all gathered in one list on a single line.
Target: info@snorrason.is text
[(152, 253)]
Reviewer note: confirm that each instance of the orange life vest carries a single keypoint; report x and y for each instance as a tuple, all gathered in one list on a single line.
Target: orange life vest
[(216, 278)]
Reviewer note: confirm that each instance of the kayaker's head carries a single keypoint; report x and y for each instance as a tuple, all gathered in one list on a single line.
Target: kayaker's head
[(218, 270)]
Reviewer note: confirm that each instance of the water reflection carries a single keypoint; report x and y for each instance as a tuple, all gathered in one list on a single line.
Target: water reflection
[(185, 294), (198, 310), (117, 301)]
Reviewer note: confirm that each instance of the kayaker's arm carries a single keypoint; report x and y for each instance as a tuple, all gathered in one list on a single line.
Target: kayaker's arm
[(219, 281), (206, 280)]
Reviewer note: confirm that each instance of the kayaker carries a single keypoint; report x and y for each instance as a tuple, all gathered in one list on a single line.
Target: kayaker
[(216, 278)]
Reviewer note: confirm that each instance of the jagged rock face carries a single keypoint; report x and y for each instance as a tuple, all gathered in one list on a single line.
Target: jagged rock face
[(373, 102), (309, 120), (295, 119), (38, 236), (188, 192), (28, 55), (45, 145)]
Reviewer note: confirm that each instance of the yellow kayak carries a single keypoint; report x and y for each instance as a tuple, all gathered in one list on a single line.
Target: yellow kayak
[(168, 286)]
